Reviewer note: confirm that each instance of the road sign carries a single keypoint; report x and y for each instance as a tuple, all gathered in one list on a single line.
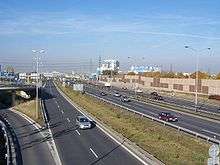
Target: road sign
[(78, 87), (213, 161), (214, 151)]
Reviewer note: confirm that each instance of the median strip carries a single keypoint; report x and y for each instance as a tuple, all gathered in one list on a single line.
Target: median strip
[(166, 144)]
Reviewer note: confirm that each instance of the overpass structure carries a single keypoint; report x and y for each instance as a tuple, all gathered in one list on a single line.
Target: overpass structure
[(26, 88)]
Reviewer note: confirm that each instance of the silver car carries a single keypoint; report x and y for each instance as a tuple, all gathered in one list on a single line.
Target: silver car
[(82, 122)]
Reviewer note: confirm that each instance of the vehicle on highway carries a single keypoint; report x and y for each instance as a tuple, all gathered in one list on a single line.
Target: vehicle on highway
[(125, 99), (116, 94), (167, 116), (83, 122), (154, 94), (158, 98), (139, 90), (103, 93)]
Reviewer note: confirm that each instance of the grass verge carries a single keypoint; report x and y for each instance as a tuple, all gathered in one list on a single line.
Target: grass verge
[(166, 144), (29, 109)]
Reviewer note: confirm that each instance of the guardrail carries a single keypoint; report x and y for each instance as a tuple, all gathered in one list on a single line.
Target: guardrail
[(44, 114), (188, 109), (11, 153), (196, 134), (7, 156)]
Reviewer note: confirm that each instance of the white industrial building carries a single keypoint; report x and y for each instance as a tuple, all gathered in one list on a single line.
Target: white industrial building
[(112, 65)]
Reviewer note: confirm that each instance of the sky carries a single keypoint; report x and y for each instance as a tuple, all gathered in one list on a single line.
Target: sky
[(74, 33)]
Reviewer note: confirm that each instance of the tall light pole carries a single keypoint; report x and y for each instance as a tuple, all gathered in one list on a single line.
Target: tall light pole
[(37, 52), (197, 71)]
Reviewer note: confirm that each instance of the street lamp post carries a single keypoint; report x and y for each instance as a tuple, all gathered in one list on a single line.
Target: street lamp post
[(37, 52), (197, 72)]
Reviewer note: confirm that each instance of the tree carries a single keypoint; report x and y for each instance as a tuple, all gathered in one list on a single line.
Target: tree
[(180, 75), (201, 75), (131, 73), (218, 76), (152, 74), (9, 69)]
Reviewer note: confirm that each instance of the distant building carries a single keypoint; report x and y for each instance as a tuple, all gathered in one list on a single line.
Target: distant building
[(143, 69), (22, 76), (34, 76), (48, 75), (111, 65)]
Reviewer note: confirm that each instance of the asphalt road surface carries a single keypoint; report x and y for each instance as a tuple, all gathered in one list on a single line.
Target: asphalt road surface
[(202, 105), (32, 146), (80, 147), (209, 128)]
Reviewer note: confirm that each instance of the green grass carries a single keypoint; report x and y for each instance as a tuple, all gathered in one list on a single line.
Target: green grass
[(29, 109), (165, 143)]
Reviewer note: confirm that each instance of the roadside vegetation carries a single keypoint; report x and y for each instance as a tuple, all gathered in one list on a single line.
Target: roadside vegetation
[(28, 108), (165, 143)]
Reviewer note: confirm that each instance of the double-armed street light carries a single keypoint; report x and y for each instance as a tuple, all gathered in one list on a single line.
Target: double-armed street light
[(37, 52), (197, 71)]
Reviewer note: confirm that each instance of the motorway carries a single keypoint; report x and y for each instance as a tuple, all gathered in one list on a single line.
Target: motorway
[(209, 128), (202, 105), (80, 147), (32, 146)]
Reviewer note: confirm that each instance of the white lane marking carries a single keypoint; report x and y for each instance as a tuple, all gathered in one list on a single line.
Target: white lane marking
[(62, 112), (211, 132), (77, 132), (68, 120), (93, 152)]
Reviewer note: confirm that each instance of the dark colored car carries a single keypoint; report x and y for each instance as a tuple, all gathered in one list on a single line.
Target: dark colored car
[(159, 97), (154, 94), (167, 117), (125, 99), (103, 93)]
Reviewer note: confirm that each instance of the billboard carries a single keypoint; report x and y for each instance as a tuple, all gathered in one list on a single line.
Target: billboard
[(78, 87)]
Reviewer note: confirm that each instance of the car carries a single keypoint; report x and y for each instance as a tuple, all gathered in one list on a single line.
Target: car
[(116, 94), (124, 88), (103, 93), (125, 99), (167, 117), (83, 122), (154, 94), (139, 90), (158, 97)]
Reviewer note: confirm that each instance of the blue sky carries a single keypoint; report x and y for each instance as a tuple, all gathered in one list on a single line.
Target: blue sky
[(75, 31)]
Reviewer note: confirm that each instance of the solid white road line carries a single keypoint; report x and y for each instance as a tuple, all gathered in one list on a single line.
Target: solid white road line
[(77, 132), (211, 132), (68, 119), (93, 152)]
